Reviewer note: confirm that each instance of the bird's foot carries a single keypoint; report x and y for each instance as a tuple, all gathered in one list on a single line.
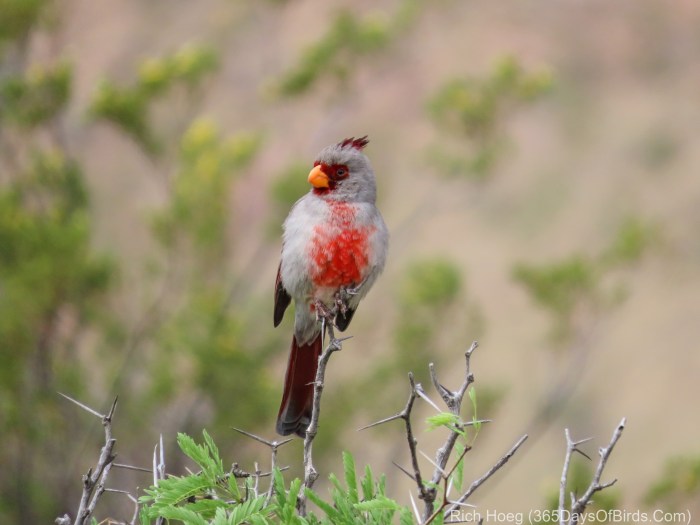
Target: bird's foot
[(341, 301), (343, 295), (322, 311), (354, 290)]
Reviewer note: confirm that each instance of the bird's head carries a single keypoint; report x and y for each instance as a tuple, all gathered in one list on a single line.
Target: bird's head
[(342, 172)]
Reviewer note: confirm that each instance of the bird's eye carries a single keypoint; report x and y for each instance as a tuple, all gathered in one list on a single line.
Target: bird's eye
[(340, 172)]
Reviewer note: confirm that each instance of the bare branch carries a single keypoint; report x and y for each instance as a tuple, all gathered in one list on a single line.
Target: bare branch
[(95, 478), (131, 467), (159, 469), (81, 405), (382, 421), (273, 445), (571, 447), (334, 345), (404, 470), (453, 401), (132, 498), (578, 505), (480, 481), (421, 393), (415, 507)]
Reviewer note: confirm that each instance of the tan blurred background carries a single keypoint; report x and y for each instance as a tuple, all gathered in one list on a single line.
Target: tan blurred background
[(610, 140)]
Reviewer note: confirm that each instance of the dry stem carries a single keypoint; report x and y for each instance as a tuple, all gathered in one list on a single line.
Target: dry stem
[(95, 478), (578, 505)]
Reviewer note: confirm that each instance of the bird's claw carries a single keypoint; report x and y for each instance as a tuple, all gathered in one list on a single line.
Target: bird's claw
[(322, 311), (341, 302), (353, 291)]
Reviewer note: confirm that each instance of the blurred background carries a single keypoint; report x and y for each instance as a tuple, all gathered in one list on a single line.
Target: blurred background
[(538, 166)]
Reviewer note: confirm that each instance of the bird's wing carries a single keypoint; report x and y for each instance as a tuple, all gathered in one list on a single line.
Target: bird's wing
[(342, 320), (282, 298)]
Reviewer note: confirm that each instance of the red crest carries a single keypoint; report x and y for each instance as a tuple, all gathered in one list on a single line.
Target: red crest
[(352, 142)]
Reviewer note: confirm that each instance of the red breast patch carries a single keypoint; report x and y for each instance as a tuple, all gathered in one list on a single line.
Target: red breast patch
[(339, 251)]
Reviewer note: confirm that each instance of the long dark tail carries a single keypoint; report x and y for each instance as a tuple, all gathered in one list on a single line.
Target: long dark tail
[(297, 401)]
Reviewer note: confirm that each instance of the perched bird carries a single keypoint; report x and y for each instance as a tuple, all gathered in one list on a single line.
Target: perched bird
[(334, 248)]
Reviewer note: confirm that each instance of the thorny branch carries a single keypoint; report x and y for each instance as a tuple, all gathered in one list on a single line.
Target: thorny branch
[(480, 481), (428, 490), (334, 345), (95, 478), (405, 414), (453, 401), (273, 445), (578, 505)]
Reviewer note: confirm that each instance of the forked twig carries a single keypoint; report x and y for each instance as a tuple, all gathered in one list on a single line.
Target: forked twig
[(579, 505), (334, 345), (405, 415), (453, 401), (428, 490), (95, 478), (274, 445), (490, 472)]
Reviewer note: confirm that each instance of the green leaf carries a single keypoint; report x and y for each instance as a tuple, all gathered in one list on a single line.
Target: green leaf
[(207, 456), (341, 499), (379, 503), (185, 515), (294, 488), (350, 476), (406, 517), (472, 397), (233, 487), (368, 484), (326, 507), (174, 490), (443, 419), (206, 507), (244, 511), (458, 474)]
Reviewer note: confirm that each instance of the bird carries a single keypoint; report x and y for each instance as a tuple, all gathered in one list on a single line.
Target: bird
[(334, 246)]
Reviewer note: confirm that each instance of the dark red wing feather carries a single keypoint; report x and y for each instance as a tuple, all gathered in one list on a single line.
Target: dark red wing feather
[(282, 298), (342, 320)]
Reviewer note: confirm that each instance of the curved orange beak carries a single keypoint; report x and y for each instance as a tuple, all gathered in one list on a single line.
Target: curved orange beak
[(317, 178)]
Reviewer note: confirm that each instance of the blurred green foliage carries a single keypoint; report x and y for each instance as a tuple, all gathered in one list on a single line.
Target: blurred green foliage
[(59, 328), (678, 487), (37, 96), (477, 109), (338, 52), (332, 54), (198, 208), (19, 17), (286, 189), (128, 107), (430, 284), (561, 286), (634, 238), (428, 289), (565, 288), (52, 290)]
